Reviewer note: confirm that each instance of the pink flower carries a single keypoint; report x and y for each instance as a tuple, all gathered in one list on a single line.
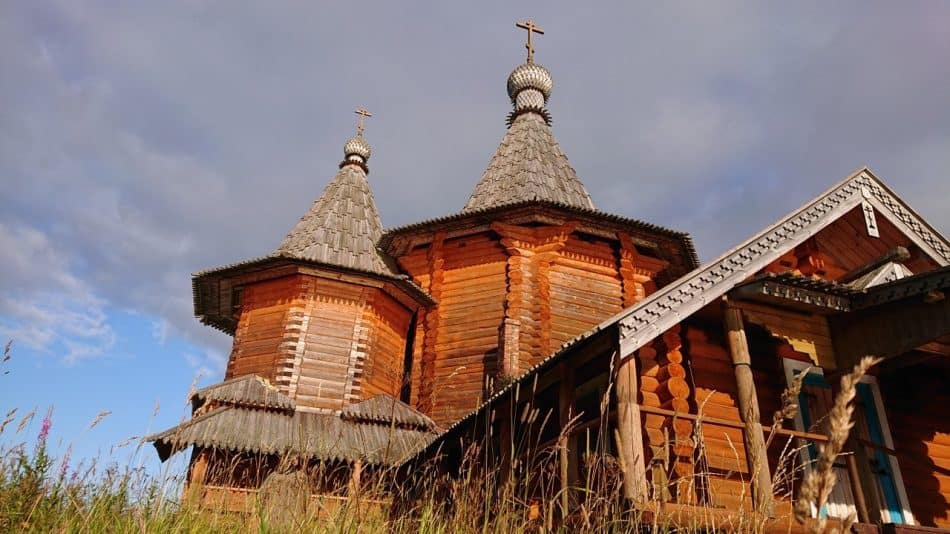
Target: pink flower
[(44, 429)]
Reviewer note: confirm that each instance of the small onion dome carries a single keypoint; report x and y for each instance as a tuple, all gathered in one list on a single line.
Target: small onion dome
[(356, 149), (530, 76)]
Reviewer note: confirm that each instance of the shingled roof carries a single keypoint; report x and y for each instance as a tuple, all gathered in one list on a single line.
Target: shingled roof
[(341, 228), (529, 165), (248, 391), (315, 435), (387, 409)]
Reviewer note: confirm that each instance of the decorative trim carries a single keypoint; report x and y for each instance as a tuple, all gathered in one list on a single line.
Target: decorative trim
[(906, 220), (682, 298)]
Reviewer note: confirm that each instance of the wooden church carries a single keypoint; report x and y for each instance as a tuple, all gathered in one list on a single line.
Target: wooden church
[(357, 349)]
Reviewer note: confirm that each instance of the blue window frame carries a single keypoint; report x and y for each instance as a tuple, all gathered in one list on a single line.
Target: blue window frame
[(881, 465)]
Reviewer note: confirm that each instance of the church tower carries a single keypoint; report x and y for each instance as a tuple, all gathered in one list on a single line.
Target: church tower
[(526, 265), (325, 317)]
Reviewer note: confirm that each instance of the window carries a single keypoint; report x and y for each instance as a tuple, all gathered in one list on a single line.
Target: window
[(815, 401)]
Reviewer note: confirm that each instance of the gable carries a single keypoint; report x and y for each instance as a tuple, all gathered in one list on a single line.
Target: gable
[(667, 307), (846, 245)]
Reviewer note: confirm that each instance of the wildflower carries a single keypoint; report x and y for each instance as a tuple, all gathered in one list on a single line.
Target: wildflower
[(44, 429)]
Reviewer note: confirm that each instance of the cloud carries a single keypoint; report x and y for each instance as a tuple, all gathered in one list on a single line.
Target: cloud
[(140, 143), (65, 315)]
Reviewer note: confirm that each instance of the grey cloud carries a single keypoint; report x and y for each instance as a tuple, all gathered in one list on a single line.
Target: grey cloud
[(146, 142)]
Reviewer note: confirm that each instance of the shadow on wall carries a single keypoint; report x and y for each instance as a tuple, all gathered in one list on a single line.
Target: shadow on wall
[(916, 400)]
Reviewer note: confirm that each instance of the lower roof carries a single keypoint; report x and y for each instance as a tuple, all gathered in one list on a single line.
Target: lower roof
[(319, 436)]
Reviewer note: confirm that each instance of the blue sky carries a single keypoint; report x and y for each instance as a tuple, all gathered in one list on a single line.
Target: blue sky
[(141, 142)]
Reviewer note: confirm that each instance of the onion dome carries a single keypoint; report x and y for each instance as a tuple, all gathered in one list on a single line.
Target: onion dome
[(356, 150), (529, 87)]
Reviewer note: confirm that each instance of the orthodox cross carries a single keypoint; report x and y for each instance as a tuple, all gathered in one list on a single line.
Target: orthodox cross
[(363, 113), (532, 29)]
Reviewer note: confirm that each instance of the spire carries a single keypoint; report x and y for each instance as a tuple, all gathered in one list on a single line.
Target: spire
[(342, 226), (529, 164)]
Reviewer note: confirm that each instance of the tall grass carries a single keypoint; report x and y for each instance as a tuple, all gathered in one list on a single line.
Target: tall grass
[(40, 492)]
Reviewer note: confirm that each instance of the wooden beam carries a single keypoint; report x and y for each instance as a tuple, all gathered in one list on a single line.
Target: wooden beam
[(567, 441), (857, 490), (749, 411), (356, 473), (630, 446)]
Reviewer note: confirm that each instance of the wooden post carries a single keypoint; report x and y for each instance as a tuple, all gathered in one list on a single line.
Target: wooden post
[(198, 472), (860, 502), (567, 445), (356, 472), (756, 454), (630, 446), (506, 414)]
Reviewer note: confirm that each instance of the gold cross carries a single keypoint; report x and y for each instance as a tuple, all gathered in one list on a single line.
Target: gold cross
[(363, 113), (532, 29)]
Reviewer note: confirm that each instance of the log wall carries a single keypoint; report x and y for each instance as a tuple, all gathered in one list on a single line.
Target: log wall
[(259, 337), (585, 289), (383, 372), (326, 343), (507, 299), (916, 400), (457, 341)]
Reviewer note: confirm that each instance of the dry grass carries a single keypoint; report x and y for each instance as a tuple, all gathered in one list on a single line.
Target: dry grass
[(41, 493)]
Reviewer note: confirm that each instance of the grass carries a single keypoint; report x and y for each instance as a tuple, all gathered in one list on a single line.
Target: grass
[(42, 493)]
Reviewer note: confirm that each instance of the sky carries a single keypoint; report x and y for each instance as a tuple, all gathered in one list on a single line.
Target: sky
[(143, 141)]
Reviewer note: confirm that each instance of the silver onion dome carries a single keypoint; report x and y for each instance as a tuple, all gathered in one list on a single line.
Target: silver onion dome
[(356, 149), (529, 76)]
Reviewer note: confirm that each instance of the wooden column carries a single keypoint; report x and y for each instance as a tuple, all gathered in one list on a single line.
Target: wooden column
[(355, 485), (629, 434), (749, 411), (506, 446), (567, 444)]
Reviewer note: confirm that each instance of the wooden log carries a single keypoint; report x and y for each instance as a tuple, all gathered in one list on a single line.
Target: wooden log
[(568, 441), (353, 490), (749, 412), (630, 447)]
